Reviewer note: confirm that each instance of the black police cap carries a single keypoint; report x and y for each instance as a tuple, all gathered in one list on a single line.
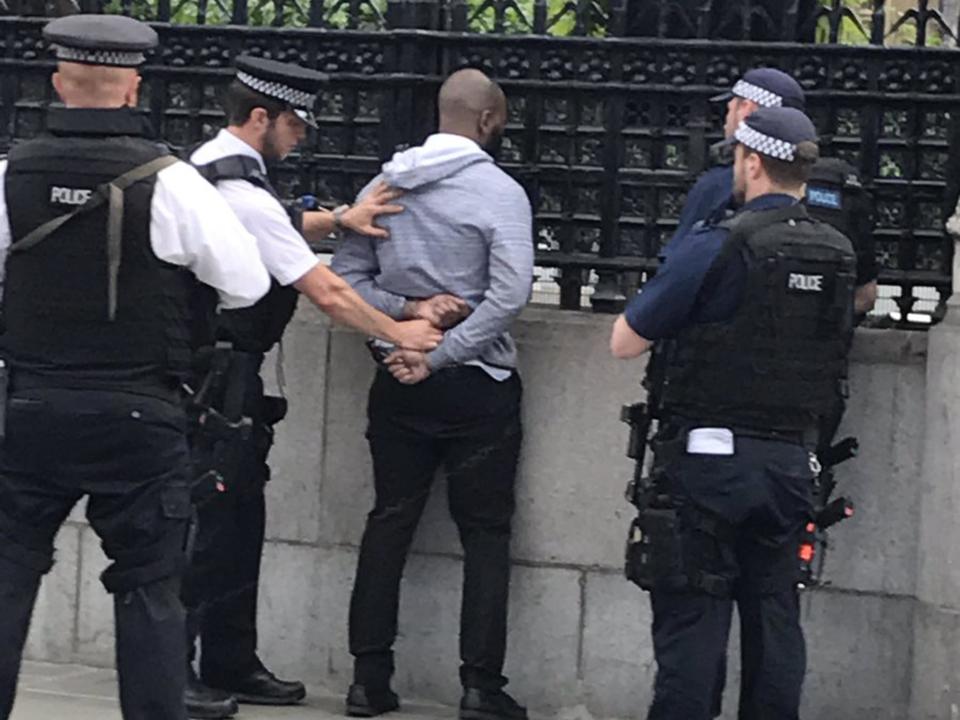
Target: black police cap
[(289, 83), (775, 132), (767, 87), (89, 39)]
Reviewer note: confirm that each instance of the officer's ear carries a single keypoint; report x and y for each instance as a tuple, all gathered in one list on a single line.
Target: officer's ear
[(259, 118), (132, 97), (57, 81), (745, 109), (754, 165)]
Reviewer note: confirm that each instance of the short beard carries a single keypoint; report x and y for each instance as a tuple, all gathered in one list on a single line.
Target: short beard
[(270, 149)]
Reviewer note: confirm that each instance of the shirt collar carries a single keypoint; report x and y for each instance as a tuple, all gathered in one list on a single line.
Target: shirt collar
[(232, 145), (770, 202)]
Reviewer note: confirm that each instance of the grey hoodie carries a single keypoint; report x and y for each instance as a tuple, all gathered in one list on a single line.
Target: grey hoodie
[(466, 230)]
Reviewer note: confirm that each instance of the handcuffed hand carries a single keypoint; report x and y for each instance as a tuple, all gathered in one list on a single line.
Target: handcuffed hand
[(407, 366), (442, 311)]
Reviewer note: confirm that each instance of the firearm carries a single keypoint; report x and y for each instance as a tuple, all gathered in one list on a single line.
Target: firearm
[(827, 512), (640, 417), (218, 437)]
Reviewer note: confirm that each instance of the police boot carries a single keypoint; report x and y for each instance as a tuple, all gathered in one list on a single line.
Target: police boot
[(364, 701), (204, 703), (262, 687), (478, 704)]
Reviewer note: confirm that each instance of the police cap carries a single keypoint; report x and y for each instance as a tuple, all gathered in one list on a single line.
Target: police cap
[(775, 132), (89, 39), (767, 87), (290, 83)]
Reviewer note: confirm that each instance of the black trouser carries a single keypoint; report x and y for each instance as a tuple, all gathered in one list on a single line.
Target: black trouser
[(222, 581), (468, 423), (762, 495), (129, 453)]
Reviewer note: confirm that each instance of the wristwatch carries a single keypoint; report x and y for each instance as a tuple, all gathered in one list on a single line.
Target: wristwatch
[(338, 218)]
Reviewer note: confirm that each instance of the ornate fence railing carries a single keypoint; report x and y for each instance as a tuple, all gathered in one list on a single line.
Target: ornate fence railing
[(608, 128)]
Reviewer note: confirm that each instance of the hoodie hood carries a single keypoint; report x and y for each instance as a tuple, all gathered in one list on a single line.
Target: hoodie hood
[(441, 156)]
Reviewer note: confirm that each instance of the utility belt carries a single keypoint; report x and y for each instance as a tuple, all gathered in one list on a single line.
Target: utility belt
[(230, 418), (151, 384)]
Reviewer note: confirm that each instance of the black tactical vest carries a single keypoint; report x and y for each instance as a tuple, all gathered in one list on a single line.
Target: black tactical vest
[(778, 363), (257, 328), (55, 295), (836, 196)]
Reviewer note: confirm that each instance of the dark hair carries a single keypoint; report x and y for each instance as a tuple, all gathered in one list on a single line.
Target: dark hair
[(792, 174), (239, 101)]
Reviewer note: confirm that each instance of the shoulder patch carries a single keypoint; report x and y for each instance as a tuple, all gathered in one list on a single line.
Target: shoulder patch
[(824, 197)]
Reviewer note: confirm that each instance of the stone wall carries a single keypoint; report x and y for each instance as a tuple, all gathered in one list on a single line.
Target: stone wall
[(579, 638)]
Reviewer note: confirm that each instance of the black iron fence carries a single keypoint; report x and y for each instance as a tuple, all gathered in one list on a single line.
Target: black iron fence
[(607, 129)]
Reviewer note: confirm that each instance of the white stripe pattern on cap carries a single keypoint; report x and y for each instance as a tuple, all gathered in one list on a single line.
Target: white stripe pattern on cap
[(763, 98), (289, 95), (120, 58), (765, 144)]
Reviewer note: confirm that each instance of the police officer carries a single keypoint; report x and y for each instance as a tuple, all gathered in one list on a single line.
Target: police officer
[(836, 196), (758, 88), (759, 311), (269, 106), (105, 237)]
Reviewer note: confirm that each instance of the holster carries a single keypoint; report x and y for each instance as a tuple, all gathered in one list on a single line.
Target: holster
[(673, 544), (222, 427)]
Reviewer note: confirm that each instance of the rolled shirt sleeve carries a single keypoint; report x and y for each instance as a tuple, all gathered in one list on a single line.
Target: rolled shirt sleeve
[(284, 250), (191, 225)]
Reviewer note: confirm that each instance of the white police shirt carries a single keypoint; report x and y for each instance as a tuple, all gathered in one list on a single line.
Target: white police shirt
[(284, 250), (190, 226)]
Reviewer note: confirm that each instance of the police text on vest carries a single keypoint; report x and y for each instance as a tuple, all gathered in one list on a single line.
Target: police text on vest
[(806, 283), (69, 196)]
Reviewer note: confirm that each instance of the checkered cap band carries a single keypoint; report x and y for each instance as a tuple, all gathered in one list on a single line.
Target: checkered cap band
[(289, 95), (764, 144), (118, 58), (763, 98)]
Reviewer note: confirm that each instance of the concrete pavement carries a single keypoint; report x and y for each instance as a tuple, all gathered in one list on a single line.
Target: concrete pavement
[(51, 691)]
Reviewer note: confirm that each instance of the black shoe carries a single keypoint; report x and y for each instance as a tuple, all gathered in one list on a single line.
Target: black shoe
[(479, 704), (262, 687), (206, 703), (364, 702)]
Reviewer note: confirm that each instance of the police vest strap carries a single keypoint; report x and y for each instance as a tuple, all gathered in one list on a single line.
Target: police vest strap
[(744, 224), (111, 192), (236, 167)]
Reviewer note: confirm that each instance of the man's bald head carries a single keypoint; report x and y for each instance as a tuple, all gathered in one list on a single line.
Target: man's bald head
[(96, 86), (474, 106)]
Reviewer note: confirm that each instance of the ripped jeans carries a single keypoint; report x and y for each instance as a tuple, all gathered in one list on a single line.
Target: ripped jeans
[(469, 424)]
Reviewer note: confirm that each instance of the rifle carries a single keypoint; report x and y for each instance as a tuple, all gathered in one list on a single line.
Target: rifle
[(827, 512)]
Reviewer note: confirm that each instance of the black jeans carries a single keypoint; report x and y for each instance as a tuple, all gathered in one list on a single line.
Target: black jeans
[(223, 578), (129, 453), (763, 493), (468, 423)]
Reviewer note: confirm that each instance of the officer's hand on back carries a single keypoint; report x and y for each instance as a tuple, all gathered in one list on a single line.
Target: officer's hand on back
[(379, 201), (442, 311)]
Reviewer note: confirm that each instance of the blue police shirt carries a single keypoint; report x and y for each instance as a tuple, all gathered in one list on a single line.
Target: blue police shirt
[(677, 296), (709, 192)]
